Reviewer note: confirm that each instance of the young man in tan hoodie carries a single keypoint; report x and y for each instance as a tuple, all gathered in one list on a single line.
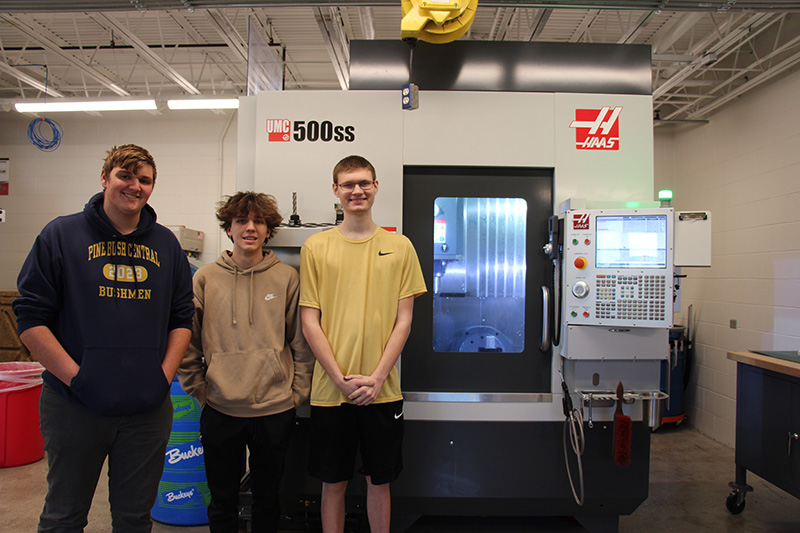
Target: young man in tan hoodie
[(248, 364)]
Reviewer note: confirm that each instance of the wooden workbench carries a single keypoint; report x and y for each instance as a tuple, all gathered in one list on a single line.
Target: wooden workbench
[(767, 424), (766, 362)]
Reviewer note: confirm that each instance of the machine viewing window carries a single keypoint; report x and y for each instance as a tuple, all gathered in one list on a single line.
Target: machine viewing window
[(479, 274), (631, 241)]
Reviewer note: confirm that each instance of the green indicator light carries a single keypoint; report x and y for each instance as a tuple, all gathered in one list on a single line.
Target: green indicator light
[(665, 194)]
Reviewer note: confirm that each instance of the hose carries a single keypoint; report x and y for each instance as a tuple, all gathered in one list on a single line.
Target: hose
[(573, 431), (573, 428), (42, 142)]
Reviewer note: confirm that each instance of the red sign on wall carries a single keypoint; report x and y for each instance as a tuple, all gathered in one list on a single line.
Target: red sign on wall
[(3, 176)]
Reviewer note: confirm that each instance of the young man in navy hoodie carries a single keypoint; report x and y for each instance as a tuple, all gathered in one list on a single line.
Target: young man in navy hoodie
[(106, 307)]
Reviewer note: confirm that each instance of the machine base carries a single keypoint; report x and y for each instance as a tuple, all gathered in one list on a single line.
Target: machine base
[(465, 468)]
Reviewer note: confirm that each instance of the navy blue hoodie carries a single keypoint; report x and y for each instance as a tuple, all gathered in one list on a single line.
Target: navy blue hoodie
[(111, 301)]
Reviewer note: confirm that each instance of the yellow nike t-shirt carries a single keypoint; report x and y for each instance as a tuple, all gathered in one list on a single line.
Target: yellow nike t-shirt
[(357, 285)]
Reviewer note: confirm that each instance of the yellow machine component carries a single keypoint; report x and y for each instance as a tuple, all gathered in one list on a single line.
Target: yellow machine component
[(436, 21)]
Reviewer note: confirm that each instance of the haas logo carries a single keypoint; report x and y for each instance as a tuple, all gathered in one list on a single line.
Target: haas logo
[(580, 221), (597, 129)]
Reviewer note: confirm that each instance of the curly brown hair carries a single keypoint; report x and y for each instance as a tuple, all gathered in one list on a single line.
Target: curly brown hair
[(242, 204), (128, 156), (352, 162)]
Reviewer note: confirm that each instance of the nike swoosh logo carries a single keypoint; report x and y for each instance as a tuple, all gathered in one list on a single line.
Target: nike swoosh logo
[(397, 417), (385, 253), (269, 297)]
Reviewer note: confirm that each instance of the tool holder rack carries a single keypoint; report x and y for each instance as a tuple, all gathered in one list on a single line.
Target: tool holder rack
[(608, 398)]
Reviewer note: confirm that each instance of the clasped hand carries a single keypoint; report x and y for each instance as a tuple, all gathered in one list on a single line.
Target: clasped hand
[(361, 390)]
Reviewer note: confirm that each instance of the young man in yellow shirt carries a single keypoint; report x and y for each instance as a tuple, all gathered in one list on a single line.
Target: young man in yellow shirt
[(357, 290)]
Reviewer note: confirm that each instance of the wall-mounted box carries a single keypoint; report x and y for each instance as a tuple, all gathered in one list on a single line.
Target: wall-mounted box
[(191, 239)]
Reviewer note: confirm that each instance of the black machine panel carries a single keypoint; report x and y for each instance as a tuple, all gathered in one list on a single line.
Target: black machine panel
[(446, 470), (478, 233), (593, 68), (445, 473)]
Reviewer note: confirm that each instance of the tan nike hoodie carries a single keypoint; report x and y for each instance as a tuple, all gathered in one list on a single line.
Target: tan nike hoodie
[(248, 356)]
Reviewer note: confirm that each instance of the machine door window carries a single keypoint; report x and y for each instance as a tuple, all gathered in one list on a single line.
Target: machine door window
[(479, 260), (478, 232)]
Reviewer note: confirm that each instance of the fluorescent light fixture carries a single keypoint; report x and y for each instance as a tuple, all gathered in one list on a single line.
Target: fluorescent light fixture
[(86, 105), (208, 103)]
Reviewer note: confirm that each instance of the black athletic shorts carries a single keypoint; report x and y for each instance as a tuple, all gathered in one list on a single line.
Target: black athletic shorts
[(337, 433)]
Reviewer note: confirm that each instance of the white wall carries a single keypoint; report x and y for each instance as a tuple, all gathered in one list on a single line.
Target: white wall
[(190, 151), (743, 166)]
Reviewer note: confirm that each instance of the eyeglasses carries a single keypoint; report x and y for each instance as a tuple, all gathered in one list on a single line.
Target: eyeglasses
[(350, 187)]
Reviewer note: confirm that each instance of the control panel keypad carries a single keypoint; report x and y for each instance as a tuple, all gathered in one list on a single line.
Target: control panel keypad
[(638, 297)]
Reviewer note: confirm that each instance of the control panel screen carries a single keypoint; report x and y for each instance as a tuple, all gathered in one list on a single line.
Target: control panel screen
[(631, 241)]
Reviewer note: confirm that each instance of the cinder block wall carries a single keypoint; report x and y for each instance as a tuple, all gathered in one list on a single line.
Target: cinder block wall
[(744, 166), (195, 152)]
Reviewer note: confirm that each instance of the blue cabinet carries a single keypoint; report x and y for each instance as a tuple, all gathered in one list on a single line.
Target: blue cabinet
[(767, 427)]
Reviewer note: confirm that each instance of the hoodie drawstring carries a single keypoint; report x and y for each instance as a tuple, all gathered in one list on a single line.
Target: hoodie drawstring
[(116, 266), (233, 296), (226, 262), (249, 296), (133, 269), (116, 272)]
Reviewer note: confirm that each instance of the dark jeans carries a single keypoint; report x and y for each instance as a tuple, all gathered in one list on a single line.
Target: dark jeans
[(77, 443), (224, 441)]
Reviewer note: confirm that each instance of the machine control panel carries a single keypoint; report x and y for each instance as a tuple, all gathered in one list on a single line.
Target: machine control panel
[(618, 266)]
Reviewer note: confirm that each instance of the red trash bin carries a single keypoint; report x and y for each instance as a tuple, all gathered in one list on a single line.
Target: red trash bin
[(21, 440)]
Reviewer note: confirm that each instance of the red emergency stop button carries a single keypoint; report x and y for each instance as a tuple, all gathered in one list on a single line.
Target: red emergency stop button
[(586, 314), (580, 263)]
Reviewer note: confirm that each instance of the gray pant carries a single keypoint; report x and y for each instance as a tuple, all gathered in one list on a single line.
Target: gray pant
[(77, 443)]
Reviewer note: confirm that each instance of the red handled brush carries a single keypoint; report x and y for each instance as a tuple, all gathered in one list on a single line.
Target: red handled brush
[(622, 432)]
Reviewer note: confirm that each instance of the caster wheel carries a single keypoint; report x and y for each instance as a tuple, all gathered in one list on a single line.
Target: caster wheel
[(735, 502)]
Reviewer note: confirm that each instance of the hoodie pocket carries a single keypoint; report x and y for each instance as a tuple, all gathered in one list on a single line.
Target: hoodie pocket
[(120, 381), (246, 378)]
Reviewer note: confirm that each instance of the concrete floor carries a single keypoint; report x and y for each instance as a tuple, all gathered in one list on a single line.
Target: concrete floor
[(688, 487)]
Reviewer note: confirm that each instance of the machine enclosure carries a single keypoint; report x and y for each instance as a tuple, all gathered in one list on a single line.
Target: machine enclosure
[(479, 452)]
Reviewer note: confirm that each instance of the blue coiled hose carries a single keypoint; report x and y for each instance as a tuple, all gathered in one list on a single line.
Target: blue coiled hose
[(39, 139)]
